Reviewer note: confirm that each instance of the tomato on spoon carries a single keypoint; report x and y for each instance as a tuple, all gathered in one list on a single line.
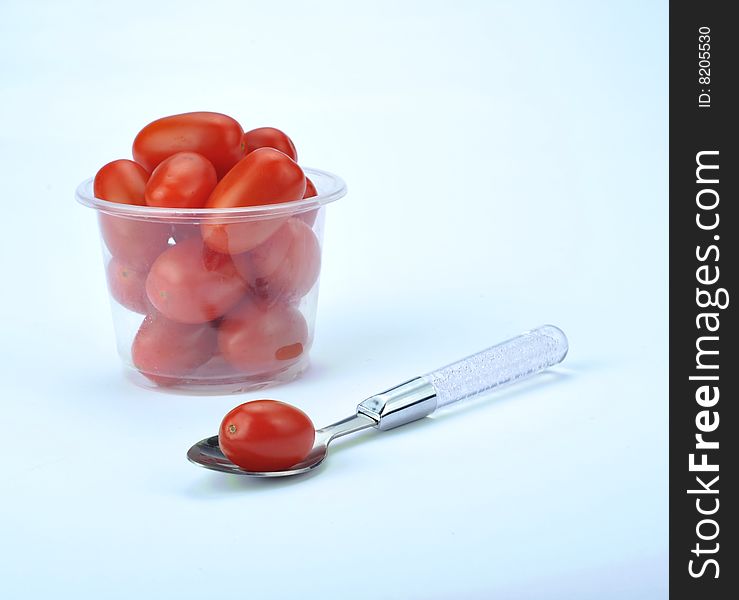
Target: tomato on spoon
[(266, 435)]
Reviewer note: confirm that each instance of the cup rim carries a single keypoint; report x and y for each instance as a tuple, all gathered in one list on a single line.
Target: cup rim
[(331, 187)]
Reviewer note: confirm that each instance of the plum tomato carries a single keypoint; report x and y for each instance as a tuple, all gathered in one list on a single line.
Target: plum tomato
[(216, 136), (238, 236), (266, 435), (166, 352), (121, 181), (184, 180), (266, 258), (134, 242), (259, 340), (309, 218), (264, 176), (127, 286), (310, 189), (286, 266), (190, 283), (269, 137)]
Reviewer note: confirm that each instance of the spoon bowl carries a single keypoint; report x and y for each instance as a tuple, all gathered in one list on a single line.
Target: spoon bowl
[(207, 453)]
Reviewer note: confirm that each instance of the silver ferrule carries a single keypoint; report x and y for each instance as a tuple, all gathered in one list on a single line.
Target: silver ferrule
[(402, 404)]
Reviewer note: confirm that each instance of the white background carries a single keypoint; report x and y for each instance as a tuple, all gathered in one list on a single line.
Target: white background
[(506, 164)]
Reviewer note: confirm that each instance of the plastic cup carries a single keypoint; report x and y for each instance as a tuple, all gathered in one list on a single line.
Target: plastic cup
[(214, 300)]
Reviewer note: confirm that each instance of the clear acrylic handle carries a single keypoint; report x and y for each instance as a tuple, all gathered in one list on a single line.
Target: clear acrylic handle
[(503, 363)]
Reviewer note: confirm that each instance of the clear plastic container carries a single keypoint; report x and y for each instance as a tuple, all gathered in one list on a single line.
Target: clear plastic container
[(214, 300)]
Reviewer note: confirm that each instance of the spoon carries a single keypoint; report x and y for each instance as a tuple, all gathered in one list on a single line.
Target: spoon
[(507, 362)]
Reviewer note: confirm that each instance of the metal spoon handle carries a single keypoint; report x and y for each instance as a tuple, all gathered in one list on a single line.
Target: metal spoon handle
[(507, 362)]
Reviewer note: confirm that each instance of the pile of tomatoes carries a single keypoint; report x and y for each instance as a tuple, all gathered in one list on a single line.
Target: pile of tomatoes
[(220, 297)]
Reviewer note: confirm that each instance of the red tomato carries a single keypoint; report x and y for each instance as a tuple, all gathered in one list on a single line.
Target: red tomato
[(266, 258), (127, 286), (166, 352), (184, 180), (121, 181), (217, 137), (256, 340), (237, 237), (269, 137), (310, 191), (266, 435), (135, 243), (286, 266), (190, 283), (264, 176)]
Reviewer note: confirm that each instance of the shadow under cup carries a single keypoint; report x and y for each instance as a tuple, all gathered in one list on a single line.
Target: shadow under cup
[(214, 300)]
